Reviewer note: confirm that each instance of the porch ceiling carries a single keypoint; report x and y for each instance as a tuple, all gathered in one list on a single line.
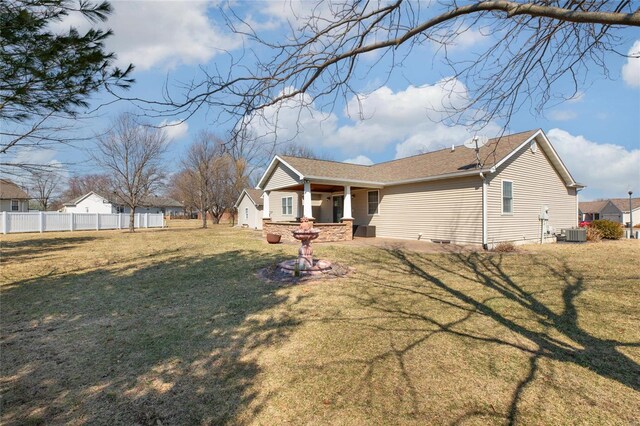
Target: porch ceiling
[(320, 187)]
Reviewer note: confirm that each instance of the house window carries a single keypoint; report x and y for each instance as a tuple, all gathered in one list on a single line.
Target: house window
[(15, 205), (507, 197), (287, 206), (373, 198), (246, 213), (596, 216)]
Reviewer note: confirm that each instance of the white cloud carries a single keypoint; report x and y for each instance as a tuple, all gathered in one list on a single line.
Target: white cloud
[(412, 120), (296, 119), (360, 159), (562, 115), (608, 170), (175, 129), (631, 70), (161, 33)]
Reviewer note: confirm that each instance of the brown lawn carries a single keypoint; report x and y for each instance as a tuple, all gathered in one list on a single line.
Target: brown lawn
[(172, 327)]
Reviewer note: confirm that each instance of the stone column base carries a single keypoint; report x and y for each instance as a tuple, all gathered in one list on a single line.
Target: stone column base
[(349, 225)]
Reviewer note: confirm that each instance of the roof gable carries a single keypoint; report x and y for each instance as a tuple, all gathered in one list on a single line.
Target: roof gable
[(255, 195), (622, 204)]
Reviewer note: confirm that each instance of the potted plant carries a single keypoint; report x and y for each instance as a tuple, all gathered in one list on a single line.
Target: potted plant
[(273, 238)]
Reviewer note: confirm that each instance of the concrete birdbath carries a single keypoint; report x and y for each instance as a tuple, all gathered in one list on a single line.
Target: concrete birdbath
[(305, 264)]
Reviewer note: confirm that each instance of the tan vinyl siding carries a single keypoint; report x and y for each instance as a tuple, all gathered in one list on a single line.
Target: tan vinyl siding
[(536, 183), (255, 215), (275, 205), (281, 177), (441, 210)]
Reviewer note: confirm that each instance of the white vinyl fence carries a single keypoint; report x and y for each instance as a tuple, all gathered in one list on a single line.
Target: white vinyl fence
[(53, 221)]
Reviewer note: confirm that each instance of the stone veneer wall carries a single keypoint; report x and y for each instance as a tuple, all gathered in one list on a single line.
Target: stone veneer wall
[(328, 231)]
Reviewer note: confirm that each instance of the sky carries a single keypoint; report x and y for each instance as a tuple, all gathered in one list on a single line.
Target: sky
[(596, 133)]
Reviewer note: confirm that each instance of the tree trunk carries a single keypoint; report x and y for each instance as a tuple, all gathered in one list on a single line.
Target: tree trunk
[(204, 218), (132, 219)]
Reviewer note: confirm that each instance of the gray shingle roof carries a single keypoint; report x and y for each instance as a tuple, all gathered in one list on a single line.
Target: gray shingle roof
[(592, 206), (9, 190), (623, 203), (255, 195), (436, 163)]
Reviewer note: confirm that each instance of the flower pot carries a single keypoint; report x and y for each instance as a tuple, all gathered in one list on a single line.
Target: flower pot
[(273, 238)]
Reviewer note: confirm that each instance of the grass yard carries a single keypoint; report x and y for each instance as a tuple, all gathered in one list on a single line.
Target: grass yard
[(172, 327)]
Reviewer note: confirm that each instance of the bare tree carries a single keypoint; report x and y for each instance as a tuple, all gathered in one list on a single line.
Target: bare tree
[(44, 186), (131, 154), (182, 187), (531, 48), (199, 169), (216, 177), (83, 184), (297, 150)]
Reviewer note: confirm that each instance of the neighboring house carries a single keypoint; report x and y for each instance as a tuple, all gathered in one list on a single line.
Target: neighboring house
[(249, 207), (617, 210), (12, 197), (438, 196), (614, 209), (96, 203), (591, 210)]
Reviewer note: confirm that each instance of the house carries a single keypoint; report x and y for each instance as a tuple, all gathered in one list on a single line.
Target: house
[(249, 207), (590, 210), (12, 197), (96, 203), (617, 210), (614, 209), (515, 188)]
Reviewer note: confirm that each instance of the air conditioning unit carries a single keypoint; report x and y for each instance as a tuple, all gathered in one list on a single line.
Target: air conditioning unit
[(576, 235)]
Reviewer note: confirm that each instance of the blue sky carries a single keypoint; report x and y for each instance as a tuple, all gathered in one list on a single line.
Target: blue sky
[(597, 134)]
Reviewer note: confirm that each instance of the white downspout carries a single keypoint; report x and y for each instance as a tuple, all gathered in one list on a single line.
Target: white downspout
[(484, 211)]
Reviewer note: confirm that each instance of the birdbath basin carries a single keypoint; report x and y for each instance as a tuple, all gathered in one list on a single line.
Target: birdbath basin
[(305, 264)]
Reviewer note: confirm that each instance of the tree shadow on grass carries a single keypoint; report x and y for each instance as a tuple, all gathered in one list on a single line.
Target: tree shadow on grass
[(17, 251), (174, 342), (536, 329)]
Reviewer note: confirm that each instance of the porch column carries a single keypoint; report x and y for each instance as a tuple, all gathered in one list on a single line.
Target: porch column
[(306, 200), (265, 205), (346, 205)]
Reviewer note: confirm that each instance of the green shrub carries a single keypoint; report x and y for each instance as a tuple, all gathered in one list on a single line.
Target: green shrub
[(609, 230)]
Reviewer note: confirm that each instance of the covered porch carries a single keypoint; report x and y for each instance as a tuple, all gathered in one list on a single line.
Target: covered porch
[(329, 205)]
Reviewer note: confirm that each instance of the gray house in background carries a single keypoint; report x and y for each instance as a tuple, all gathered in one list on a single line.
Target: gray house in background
[(444, 195), (249, 207), (614, 209), (12, 197)]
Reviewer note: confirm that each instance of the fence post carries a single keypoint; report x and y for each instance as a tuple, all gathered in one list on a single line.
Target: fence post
[(71, 222), (146, 220), (97, 221), (5, 224), (41, 222), (119, 220)]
